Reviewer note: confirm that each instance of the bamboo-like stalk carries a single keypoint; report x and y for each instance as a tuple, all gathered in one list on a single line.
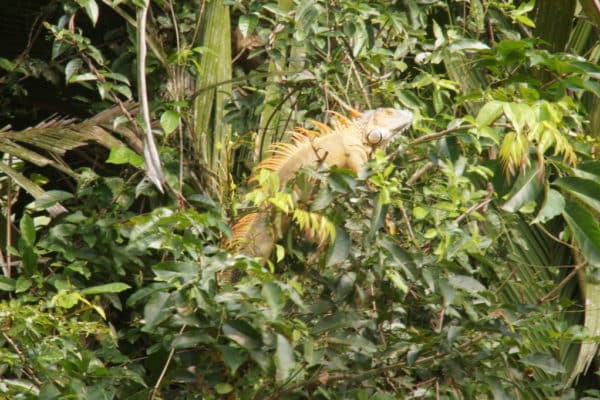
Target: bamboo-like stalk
[(211, 135)]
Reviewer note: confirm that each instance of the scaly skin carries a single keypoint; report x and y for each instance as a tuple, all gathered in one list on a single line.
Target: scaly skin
[(347, 145)]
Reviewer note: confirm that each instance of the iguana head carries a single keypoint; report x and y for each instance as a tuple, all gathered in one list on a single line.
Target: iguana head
[(382, 124)]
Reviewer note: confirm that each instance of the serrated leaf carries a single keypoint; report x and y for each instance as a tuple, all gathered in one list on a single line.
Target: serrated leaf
[(115, 287), (545, 362)]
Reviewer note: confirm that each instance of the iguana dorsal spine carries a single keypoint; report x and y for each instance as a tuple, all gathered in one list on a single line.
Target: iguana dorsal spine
[(347, 144)]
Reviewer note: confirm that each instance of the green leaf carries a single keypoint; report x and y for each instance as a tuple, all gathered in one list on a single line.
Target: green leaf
[(247, 23), (545, 362), (124, 155), (91, 9), (519, 115), (274, 297), (586, 231), (169, 121), (489, 113), (284, 359), (526, 189), (553, 205), (466, 283), (586, 190), (156, 311), (115, 287), (223, 388), (188, 340), (72, 68), (233, 357), (340, 249), (50, 198), (242, 333), (7, 284), (27, 230)]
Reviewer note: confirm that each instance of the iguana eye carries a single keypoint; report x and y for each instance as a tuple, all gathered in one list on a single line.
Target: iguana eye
[(375, 136)]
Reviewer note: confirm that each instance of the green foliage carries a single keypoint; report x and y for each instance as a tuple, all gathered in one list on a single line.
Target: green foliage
[(446, 269)]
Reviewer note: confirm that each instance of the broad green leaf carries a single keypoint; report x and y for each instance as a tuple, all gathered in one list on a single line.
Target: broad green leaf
[(339, 320), (7, 284), (88, 76), (27, 230), (50, 198), (340, 249), (525, 189), (124, 155), (72, 68), (467, 44), (466, 283), (170, 270), (489, 113), (115, 287), (284, 359), (91, 9), (519, 115), (274, 297), (189, 340), (247, 23), (223, 388), (156, 311), (586, 231), (553, 205), (242, 333), (587, 190), (545, 362), (169, 121), (233, 357)]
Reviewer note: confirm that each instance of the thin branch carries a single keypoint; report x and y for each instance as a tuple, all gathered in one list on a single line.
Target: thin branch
[(165, 368), (437, 135), (562, 283)]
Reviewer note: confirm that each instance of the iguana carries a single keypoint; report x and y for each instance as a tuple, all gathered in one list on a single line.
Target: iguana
[(348, 144)]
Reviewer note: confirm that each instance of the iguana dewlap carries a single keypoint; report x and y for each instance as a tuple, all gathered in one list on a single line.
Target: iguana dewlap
[(349, 144)]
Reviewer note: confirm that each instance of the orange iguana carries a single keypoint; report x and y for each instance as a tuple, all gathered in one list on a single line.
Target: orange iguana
[(348, 144)]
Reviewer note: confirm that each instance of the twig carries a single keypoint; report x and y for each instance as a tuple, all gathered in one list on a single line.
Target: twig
[(475, 207), (165, 367), (326, 377), (562, 283), (419, 172), (30, 372), (436, 135)]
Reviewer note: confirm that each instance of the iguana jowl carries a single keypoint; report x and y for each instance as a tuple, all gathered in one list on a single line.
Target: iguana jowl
[(349, 144)]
